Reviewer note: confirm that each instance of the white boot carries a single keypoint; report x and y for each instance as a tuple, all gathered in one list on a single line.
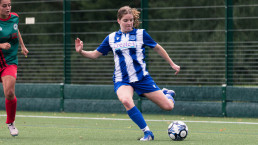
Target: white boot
[(13, 129)]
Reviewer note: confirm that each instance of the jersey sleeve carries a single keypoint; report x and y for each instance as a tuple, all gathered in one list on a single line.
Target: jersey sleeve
[(147, 40), (104, 47), (13, 13), (15, 17)]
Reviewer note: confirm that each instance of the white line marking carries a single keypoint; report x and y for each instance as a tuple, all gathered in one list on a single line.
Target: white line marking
[(88, 118)]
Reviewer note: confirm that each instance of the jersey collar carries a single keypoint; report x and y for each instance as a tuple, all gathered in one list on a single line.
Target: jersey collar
[(6, 18), (133, 32)]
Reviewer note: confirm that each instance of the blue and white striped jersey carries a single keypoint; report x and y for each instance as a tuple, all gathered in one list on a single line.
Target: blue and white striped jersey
[(129, 54)]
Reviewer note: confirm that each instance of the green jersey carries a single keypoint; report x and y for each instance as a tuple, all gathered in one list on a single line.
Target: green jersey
[(9, 34)]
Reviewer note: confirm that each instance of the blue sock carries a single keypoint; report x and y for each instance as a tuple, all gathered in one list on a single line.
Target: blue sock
[(137, 117), (170, 97)]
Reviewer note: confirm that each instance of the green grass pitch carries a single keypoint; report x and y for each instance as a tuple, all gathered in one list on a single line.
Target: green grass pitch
[(44, 128)]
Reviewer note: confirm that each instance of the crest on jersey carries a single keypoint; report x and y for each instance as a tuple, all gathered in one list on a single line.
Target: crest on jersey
[(132, 38), (15, 27)]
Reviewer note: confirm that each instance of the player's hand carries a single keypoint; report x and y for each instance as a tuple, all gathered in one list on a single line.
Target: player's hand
[(5, 46), (25, 51), (78, 45), (176, 68)]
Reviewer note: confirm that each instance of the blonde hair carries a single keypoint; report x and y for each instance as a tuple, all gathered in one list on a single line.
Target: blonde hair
[(128, 10)]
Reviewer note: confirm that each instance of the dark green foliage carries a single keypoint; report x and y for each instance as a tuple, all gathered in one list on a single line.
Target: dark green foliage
[(192, 32)]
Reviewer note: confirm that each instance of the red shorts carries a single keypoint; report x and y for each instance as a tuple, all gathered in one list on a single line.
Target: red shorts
[(10, 70)]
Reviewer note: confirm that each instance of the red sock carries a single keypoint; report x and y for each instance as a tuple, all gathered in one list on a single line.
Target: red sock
[(10, 106)]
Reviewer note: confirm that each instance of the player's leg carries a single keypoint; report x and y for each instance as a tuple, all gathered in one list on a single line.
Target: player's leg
[(125, 95), (159, 98), (148, 88), (8, 78)]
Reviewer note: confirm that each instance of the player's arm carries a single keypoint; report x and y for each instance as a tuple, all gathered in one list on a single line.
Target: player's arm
[(24, 50), (162, 52), (89, 54)]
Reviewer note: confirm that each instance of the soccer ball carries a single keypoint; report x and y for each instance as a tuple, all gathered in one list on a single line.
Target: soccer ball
[(177, 130)]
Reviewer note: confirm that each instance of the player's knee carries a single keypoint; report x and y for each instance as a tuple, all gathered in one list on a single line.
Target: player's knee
[(127, 102), (168, 107), (9, 95)]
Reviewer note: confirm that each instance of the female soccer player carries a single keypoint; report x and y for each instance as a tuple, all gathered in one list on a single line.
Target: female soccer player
[(10, 38), (128, 46)]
